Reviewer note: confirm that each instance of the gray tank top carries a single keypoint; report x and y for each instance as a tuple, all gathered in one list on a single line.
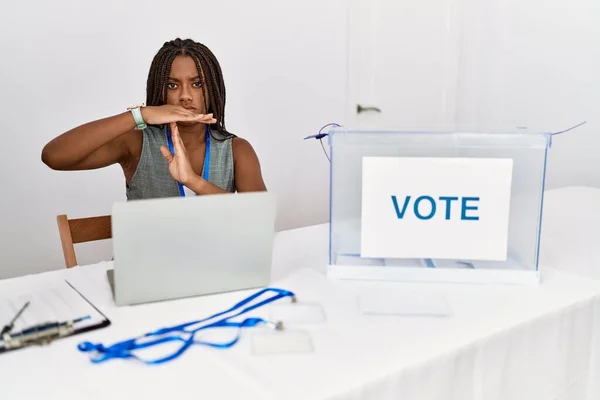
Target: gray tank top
[(152, 178)]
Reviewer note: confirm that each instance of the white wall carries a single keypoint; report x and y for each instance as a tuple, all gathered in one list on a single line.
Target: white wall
[(66, 62), (535, 64), (483, 65)]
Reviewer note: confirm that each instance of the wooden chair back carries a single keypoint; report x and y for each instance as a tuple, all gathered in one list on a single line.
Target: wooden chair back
[(81, 230)]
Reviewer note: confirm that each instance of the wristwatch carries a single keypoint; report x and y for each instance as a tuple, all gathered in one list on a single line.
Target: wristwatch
[(137, 116)]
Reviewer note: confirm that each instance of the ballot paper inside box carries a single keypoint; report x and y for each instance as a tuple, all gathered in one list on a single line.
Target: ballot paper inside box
[(436, 206)]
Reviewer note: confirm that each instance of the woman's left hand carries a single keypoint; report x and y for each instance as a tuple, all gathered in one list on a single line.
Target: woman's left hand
[(180, 167)]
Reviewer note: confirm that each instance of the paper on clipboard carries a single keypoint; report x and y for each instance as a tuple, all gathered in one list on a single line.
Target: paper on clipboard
[(56, 302)]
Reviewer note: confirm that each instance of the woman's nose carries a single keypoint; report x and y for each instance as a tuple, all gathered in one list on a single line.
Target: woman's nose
[(185, 95)]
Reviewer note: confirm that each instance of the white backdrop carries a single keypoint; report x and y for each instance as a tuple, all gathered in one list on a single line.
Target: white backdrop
[(535, 64), (66, 62)]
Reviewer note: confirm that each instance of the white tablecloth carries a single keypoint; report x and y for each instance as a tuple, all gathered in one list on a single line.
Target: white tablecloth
[(500, 342)]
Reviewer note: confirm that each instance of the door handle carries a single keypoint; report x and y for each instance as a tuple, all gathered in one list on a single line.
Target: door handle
[(360, 109)]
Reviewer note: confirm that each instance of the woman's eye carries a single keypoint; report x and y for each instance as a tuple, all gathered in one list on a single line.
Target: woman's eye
[(171, 85), (197, 84)]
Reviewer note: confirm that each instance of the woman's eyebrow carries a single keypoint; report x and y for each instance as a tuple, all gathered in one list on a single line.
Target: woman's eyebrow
[(177, 80)]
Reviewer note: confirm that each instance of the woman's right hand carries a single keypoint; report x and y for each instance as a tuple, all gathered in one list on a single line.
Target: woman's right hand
[(165, 114)]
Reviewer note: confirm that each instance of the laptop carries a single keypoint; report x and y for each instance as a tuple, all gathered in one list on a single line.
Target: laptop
[(172, 248)]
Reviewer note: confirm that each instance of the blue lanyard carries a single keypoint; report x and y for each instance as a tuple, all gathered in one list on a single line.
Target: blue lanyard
[(185, 333), (206, 156)]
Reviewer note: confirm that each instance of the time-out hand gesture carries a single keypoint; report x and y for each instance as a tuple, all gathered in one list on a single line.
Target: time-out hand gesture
[(180, 167)]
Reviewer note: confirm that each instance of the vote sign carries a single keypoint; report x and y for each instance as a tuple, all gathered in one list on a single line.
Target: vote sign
[(443, 208)]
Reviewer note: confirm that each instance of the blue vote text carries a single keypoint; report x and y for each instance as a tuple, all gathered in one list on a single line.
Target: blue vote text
[(426, 207)]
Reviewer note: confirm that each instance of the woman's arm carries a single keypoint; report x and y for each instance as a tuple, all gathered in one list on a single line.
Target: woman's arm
[(92, 145), (248, 174), (107, 141)]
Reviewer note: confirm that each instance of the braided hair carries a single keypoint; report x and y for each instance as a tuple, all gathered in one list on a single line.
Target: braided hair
[(208, 69)]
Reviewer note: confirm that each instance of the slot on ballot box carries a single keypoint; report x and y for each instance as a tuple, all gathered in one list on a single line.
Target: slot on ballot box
[(442, 206)]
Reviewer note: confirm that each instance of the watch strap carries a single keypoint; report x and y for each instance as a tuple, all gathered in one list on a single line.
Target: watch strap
[(137, 117)]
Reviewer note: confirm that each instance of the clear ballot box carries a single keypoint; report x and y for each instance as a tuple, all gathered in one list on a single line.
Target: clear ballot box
[(436, 206)]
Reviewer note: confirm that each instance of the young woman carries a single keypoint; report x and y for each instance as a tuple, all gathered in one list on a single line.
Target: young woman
[(176, 144)]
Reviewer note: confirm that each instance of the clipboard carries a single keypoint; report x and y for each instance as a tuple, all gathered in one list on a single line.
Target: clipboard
[(44, 313)]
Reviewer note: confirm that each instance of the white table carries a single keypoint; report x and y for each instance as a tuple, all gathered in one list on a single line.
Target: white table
[(500, 343)]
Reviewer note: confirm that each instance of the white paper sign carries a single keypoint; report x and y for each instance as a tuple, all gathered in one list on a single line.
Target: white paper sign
[(445, 208)]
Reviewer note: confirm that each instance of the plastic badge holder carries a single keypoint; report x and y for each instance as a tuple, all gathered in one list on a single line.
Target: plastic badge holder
[(289, 338), (404, 304), (291, 314), (286, 341)]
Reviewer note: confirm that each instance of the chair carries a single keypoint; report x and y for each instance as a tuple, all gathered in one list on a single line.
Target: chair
[(80, 230)]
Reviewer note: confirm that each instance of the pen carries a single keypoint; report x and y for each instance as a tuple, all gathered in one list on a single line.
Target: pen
[(41, 334), (49, 325), (9, 327)]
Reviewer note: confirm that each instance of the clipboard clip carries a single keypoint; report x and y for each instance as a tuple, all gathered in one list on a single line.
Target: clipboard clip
[(41, 334)]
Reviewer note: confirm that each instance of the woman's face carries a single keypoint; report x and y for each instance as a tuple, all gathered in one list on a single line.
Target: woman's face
[(185, 85)]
